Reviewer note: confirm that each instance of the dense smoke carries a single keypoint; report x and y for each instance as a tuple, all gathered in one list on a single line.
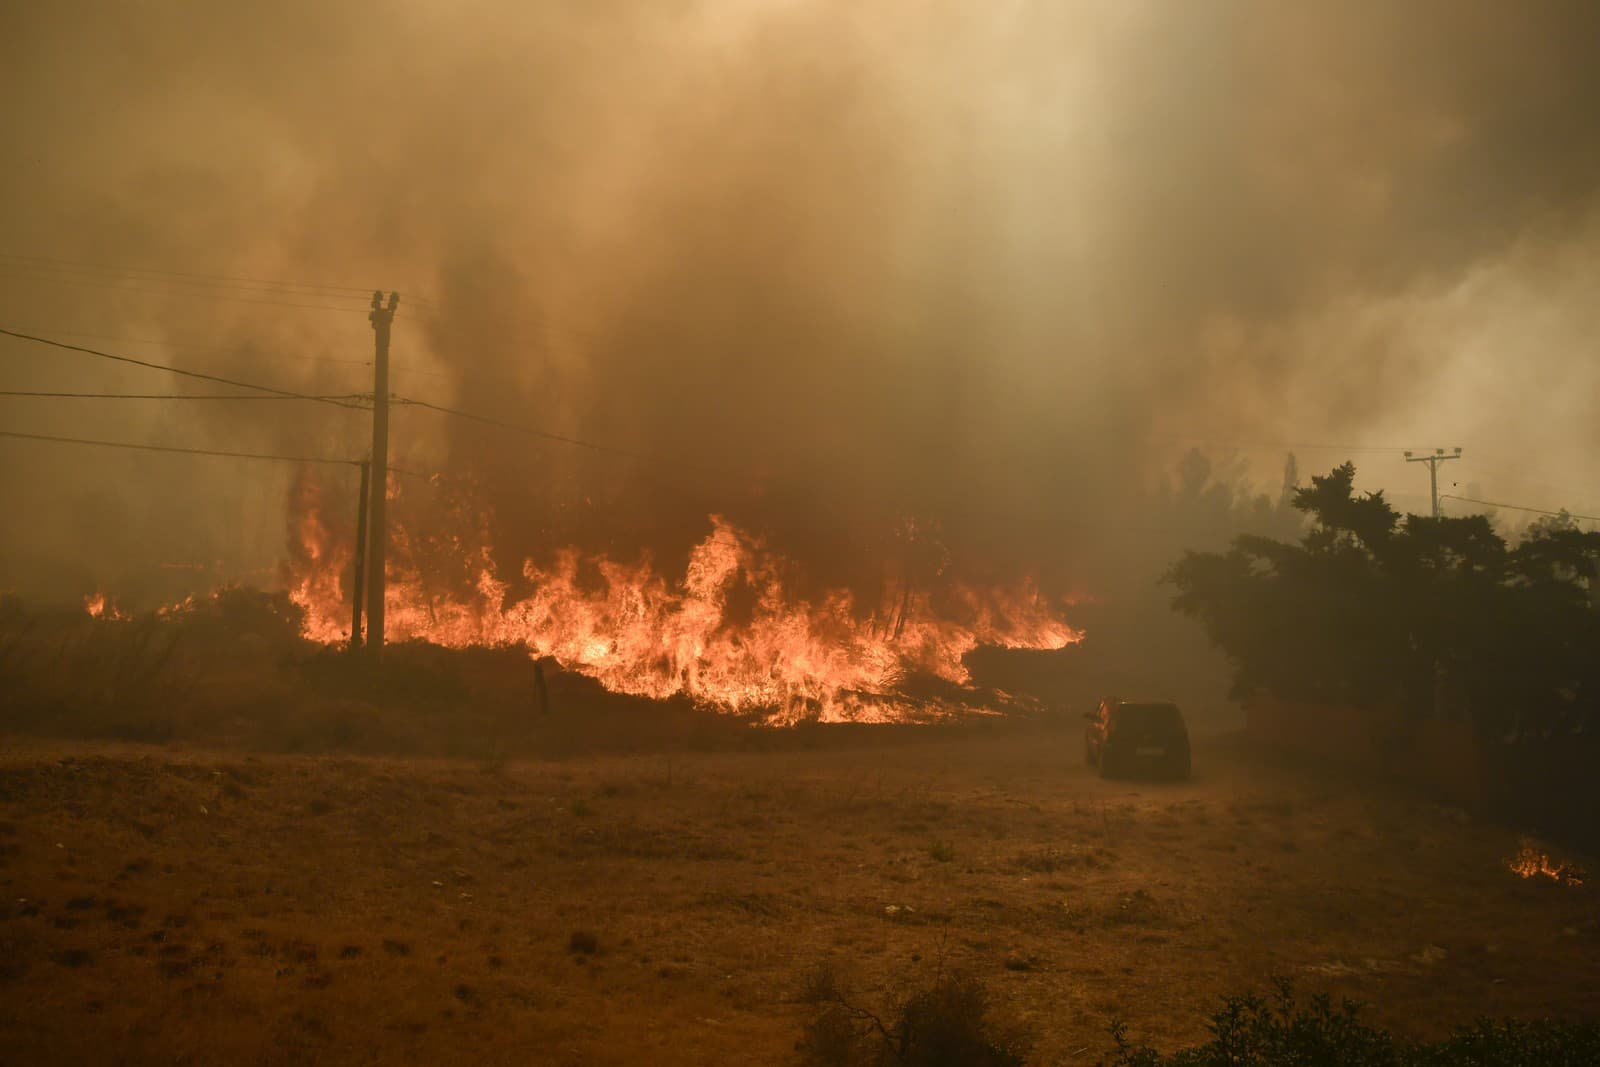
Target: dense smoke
[(899, 284)]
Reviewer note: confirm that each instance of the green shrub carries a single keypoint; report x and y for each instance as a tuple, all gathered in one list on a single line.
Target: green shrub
[(1253, 1031), (1489, 1044)]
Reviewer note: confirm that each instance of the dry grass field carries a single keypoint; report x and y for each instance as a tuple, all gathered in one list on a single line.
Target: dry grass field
[(188, 906)]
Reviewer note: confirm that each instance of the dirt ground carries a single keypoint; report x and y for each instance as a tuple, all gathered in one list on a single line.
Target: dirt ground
[(174, 906)]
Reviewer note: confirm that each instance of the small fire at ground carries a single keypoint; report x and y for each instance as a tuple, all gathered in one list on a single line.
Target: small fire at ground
[(1533, 862), (100, 606), (730, 633)]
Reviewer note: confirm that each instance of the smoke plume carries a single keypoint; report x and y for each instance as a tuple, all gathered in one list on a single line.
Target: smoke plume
[(900, 284)]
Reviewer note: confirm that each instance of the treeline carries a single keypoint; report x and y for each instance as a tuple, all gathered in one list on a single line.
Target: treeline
[(1420, 615)]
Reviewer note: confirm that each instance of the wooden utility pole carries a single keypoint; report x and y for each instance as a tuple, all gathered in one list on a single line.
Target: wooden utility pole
[(1433, 462), (381, 318), (357, 592)]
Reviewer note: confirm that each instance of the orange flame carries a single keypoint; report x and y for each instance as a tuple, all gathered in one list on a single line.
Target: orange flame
[(100, 606), (1531, 862), (785, 658), (320, 560)]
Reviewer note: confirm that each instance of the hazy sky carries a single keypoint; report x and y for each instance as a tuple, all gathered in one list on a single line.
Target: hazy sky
[(824, 264)]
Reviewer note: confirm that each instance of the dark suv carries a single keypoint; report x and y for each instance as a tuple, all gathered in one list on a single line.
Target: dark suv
[(1127, 737)]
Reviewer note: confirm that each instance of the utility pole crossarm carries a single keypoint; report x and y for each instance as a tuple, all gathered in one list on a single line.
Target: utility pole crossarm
[(1433, 461)]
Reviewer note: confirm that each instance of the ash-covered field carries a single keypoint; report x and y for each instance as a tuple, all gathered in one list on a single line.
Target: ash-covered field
[(182, 905)]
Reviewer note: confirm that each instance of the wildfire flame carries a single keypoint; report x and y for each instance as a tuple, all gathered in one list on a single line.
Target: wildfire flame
[(784, 657), (100, 606), (1532, 862)]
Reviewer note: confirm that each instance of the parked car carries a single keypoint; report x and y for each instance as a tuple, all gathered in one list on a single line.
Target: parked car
[(1127, 737)]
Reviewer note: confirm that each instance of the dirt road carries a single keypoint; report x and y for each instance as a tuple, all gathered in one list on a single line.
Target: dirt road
[(173, 906)]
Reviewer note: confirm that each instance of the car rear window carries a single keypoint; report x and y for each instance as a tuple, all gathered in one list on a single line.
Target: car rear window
[(1149, 716)]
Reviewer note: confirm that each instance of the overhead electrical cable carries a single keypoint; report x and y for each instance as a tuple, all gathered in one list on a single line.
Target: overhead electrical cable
[(1302, 445), (112, 285), (517, 427), (253, 353), (173, 448), (64, 273), (405, 368), (658, 476), (435, 478), (300, 288), (107, 268), (41, 395), (1518, 507), (180, 370), (162, 343)]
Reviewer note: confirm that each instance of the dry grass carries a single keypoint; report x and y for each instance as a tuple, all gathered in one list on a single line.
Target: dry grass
[(205, 907), (232, 672)]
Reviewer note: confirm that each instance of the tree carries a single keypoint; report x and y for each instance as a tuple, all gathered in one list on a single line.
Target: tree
[(1370, 609)]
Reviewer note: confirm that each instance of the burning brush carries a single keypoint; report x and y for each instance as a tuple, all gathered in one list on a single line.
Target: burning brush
[(1533, 862), (732, 633)]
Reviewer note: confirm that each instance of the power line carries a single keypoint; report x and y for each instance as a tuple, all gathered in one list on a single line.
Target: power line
[(48, 273), (25, 393), (530, 431), (437, 477), (104, 268), (1517, 507), (411, 368), (1301, 445), (163, 343), (302, 288), (402, 368), (658, 477), (171, 448), (178, 370), (172, 292)]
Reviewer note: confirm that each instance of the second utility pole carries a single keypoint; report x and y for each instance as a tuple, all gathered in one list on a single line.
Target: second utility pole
[(1433, 462), (381, 319)]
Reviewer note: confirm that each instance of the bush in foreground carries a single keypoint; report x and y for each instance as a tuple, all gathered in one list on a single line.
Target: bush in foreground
[(945, 1024), (1253, 1031)]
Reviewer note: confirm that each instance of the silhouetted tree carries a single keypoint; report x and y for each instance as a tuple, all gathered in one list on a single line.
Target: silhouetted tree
[(1371, 609)]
